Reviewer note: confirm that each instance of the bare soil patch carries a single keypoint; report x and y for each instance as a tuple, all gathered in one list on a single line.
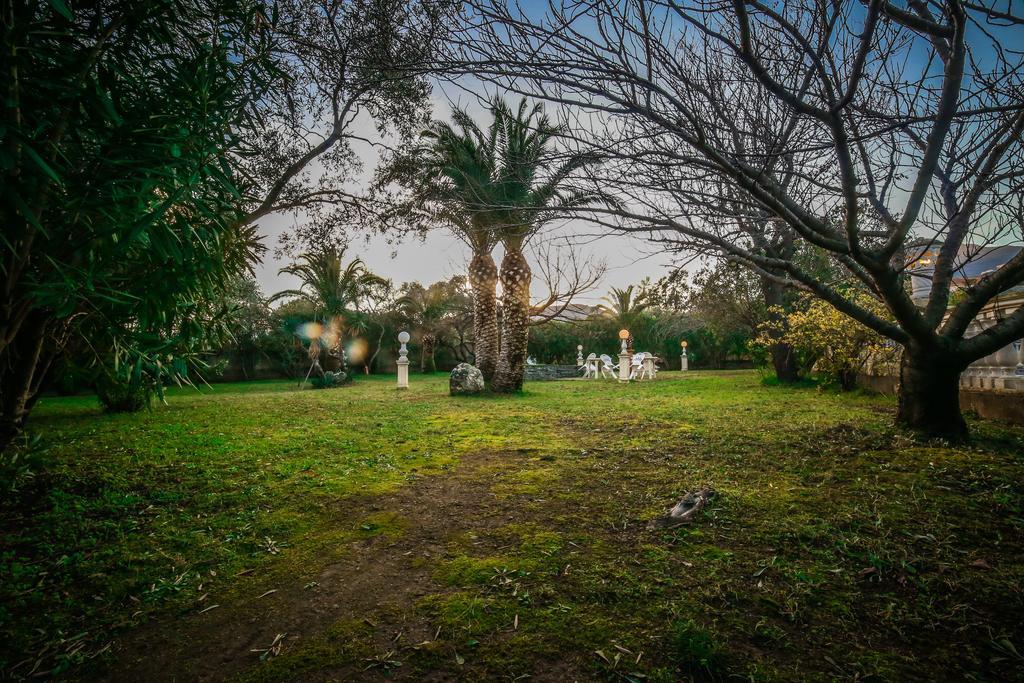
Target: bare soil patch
[(378, 581)]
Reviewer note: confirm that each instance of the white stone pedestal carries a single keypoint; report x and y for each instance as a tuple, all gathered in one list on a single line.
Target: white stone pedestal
[(624, 367), (403, 373), (684, 363)]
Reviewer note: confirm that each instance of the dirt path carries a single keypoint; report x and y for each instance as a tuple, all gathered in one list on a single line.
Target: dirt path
[(379, 581)]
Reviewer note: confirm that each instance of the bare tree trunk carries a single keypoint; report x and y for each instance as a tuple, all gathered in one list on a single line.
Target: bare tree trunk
[(929, 393), (427, 352), (848, 379), (23, 365), (782, 354), (243, 360), (483, 278), (376, 351), (787, 370), (515, 323)]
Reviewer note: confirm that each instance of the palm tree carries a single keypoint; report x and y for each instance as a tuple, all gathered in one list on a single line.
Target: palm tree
[(489, 186), (529, 187), (426, 309), (624, 308), (335, 289), (456, 167)]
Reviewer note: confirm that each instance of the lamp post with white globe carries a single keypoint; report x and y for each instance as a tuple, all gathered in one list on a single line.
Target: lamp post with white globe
[(579, 355), (403, 361)]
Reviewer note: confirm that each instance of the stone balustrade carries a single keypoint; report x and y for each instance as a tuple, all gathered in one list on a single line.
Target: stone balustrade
[(1004, 369), (552, 372), (999, 371)]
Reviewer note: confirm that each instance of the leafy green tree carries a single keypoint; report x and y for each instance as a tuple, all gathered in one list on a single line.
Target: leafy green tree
[(729, 303), (284, 345), (556, 341), (119, 206), (459, 337), (248, 319)]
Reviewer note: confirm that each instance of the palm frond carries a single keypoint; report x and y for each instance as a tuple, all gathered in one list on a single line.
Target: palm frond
[(501, 183), (334, 287)]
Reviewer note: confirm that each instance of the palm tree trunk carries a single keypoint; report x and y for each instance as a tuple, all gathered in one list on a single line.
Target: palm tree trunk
[(483, 278), (515, 325)]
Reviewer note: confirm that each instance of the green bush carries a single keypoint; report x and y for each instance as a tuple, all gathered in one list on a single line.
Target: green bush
[(19, 463), (124, 394), (331, 379), (695, 650)]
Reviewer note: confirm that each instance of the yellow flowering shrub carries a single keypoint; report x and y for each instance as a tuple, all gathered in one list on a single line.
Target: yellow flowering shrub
[(837, 346)]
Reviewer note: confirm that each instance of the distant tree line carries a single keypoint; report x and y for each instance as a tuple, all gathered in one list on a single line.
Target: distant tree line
[(351, 318)]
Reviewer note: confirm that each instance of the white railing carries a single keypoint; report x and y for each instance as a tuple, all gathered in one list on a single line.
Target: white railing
[(1004, 369), (999, 371)]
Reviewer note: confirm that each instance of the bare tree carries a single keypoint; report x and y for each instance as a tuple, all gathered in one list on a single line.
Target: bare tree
[(906, 130), (567, 274)]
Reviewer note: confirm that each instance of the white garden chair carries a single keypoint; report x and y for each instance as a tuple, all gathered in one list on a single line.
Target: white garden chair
[(638, 370), (608, 366), (635, 363), (591, 367), (650, 364)]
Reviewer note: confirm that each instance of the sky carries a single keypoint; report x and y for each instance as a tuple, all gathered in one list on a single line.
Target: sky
[(628, 259)]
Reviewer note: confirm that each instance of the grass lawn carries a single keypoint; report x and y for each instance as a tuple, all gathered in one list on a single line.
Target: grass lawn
[(257, 532)]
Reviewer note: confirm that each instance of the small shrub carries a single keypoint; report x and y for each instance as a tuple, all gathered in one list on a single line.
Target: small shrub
[(124, 395), (695, 651), (330, 379), (19, 463)]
